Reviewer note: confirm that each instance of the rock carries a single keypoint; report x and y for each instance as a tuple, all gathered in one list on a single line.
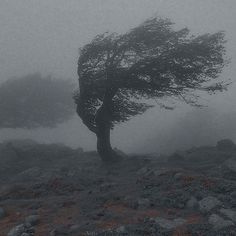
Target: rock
[(159, 172), (121, 230), (229, 213), (225, 145), (178, 176), (75, 229), (169, 224), (2, 213), (143, 203), (143, 170), (17, 230), (60, 231), (32, 220), (219, 223), (208, 203), (25, 234), (192, 203)]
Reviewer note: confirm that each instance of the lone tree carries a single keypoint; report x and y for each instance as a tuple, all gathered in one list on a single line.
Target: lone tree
[(34, 101), (118, 73)]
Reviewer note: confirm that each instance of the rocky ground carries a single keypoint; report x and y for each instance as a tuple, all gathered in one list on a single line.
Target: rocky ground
[(52, 190)]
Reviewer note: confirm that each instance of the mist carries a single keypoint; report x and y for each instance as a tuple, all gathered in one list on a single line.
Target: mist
[(45, 37)]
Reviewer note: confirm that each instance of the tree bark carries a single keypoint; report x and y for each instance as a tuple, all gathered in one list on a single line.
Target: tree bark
[(104, 148), (103, 124)]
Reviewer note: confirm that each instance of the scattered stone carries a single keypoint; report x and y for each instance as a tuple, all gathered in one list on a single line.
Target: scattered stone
[(32, 220), (17, 230), (2, 213), (229, 213), (208, 203), (192, 203), (219, 223), (169, 224), (225, 145)]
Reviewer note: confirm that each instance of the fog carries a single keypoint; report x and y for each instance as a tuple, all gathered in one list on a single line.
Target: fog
[(44, 36)]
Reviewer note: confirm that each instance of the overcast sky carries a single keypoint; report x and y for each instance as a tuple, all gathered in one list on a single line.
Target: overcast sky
[(44, 36)]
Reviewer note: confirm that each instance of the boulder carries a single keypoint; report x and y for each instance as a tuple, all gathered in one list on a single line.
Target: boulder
[(229, 214), (208, 203), (121, 230), (218, 222), (169, 224)]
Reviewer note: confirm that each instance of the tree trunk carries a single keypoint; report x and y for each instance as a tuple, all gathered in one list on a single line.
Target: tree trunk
[(104, 148), (103, 124)]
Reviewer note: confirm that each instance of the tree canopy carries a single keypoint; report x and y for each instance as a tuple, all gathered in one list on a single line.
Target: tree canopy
[(34, 101), (152, 60)]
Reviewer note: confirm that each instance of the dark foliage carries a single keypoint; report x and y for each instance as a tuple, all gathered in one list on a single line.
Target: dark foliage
[(150, 61)]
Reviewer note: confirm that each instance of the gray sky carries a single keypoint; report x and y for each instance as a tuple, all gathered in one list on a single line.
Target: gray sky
[(44, 36)]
